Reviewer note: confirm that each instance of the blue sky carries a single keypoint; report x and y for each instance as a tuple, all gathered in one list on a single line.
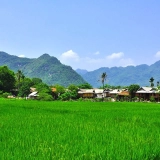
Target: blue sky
[(86, 34)]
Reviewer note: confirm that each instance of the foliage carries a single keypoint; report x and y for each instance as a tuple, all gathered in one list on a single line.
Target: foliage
[(103, 78), (24, 87), (7, 79), (44, 96), (151, 81), (152, 99), (36, 81), (19, 78), (72, 87), (59, 90), (132, 89), (85, 86), (5, 94), (68, 95), (44, 92), (44, 88)]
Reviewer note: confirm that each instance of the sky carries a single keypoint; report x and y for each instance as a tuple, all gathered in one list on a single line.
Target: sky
[(85, 34)]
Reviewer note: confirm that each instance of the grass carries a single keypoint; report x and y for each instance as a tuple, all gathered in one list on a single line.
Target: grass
[(79, 130)]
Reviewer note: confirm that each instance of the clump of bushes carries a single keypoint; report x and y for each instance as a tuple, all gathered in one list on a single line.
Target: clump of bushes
[(4, 94), (45, 97), (152, 99)]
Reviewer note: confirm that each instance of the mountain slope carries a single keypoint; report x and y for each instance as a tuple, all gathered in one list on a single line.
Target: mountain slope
[(81, 71), (125, 76), (13, 62), (48, 68)]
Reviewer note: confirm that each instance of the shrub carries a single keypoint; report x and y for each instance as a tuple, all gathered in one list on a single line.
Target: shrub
[(152, 99), (141, 99), (5, 94), (45, 97), (80, 99)]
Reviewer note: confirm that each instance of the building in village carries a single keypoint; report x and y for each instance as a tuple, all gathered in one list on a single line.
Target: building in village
[(146, 93)]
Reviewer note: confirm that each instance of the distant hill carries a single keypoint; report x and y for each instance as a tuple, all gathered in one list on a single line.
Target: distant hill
[(48, 68), (81, 71), (125, 76)]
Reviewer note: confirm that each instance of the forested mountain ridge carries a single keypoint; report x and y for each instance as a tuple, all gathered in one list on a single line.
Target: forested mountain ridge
[(13, 62), (48, 68), (125, 76)]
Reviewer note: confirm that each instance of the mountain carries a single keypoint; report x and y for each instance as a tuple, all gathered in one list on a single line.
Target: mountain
[(48, 68), (51, 71), (125, 76), (81, 71)]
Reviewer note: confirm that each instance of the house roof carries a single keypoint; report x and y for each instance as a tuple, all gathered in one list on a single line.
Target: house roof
[(146, 90), (115, 91), (81, 91), (98, 91), (32, 89), (53, 89), (106, 90), (33, 94), (124, 93)]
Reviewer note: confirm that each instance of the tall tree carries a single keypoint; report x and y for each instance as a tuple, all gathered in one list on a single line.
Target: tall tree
[(103, 78), (151, 81), (19, 76), (85, 86), (24, 89), (132, 89), (7, 79)]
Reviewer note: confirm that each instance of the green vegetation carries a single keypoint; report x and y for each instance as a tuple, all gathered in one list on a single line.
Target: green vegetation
[(103, 78), (79, 130), (85, 86), (124, 76), (151, 81), (133, 89), (7, 79), (47, 68)]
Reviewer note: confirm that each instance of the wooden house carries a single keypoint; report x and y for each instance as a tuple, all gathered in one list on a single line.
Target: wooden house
[(147, 92), (114, 93), (86, 93), (124, 93)]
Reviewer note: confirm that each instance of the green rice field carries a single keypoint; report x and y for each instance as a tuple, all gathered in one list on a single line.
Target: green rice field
[(35, 130)]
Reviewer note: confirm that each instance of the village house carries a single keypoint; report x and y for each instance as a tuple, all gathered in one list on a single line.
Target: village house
[(124, 93), (33, 95), (114, 93), (146, 93), (86, 93)]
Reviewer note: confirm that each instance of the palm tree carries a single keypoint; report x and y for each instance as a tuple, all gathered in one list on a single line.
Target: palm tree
[(103, 78), (19, 76), (151, 81)]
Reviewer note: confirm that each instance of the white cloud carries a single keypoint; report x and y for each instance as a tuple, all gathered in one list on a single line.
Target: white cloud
[(115, 55), (21, 56), (97, 53), (90, 63), (157, 54), (69, 55)]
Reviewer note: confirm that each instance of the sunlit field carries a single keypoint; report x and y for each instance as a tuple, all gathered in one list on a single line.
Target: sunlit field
[(79, 130)]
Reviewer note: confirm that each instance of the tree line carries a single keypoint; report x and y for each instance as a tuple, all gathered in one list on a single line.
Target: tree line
[(20, 86)]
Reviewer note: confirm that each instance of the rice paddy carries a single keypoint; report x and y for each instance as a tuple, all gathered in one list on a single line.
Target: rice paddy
[(79, 130)]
